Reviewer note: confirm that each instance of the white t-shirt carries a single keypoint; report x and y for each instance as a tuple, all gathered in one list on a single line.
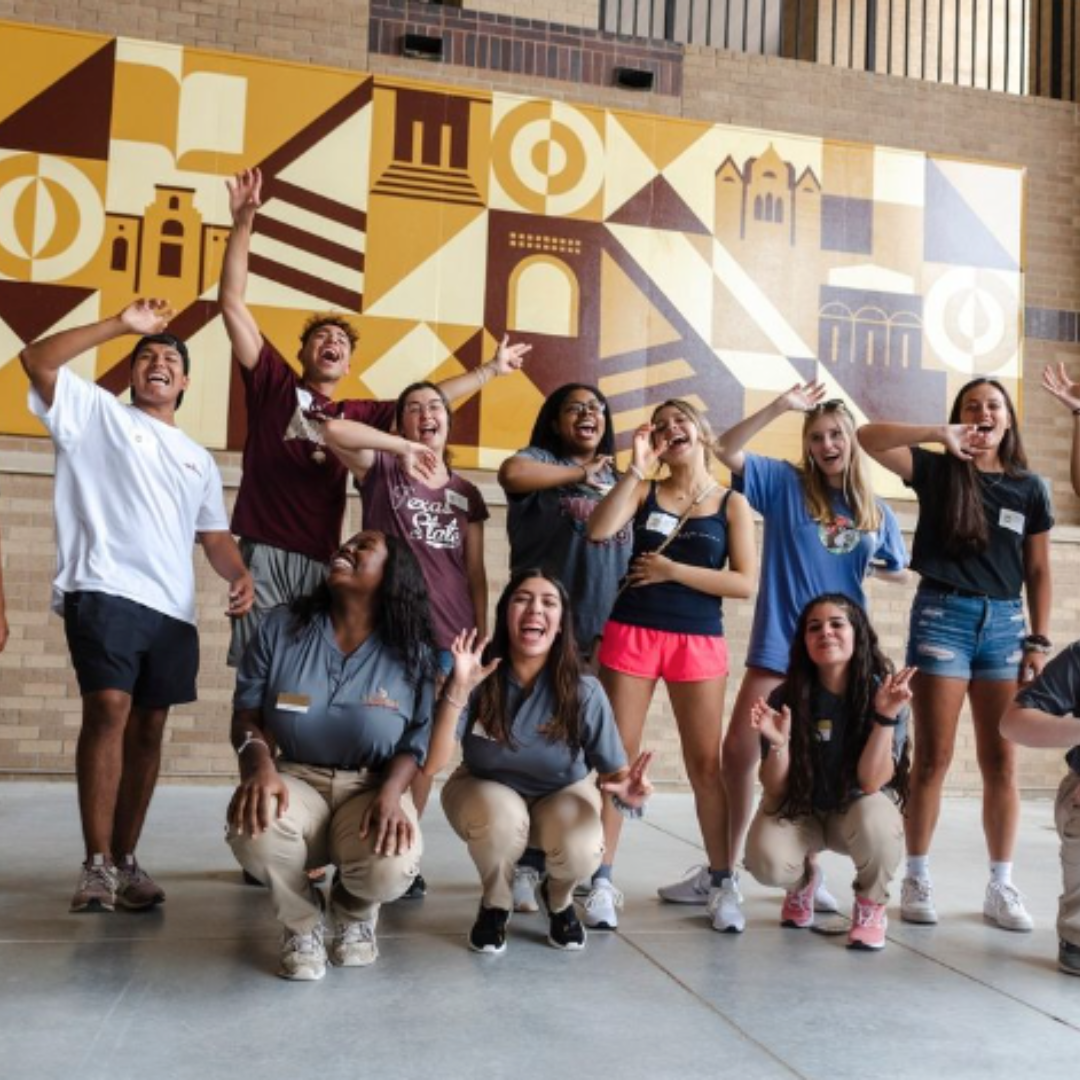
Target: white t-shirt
[(131, 493)]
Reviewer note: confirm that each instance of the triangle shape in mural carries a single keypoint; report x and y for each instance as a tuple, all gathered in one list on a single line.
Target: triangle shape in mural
[(622, 334), (952, 231), (659, 206), (71, 117), (31, 310)]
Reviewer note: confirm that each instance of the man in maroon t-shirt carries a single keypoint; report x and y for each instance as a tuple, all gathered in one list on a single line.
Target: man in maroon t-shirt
[(291, 501)]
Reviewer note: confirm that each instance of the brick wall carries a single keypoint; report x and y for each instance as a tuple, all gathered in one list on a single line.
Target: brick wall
[(39, 708)]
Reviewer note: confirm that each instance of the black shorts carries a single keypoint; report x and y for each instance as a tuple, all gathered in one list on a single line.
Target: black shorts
[(117, 644)]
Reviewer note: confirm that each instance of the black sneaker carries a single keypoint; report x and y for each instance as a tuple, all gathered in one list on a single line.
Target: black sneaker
[(417, 890), (1068, 958), (488, 934), (564, 927)]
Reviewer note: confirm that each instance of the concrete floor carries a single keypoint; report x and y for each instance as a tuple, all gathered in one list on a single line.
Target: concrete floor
[(188, 991)]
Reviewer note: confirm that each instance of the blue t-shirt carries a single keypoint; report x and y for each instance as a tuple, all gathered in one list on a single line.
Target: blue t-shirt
[(802, 558)]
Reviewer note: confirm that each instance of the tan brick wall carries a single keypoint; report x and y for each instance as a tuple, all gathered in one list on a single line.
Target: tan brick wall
[(39, 708)]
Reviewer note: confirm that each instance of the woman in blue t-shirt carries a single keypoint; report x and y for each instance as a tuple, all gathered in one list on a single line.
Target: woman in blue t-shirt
[(983, 538), (834, 767), (824, 531), (693, 546), (533, 728)]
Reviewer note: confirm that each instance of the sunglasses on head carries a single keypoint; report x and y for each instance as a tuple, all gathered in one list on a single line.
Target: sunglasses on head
[(828, 406)]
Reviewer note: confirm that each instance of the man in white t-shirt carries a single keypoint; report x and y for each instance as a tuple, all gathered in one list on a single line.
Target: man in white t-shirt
[(133, 494)]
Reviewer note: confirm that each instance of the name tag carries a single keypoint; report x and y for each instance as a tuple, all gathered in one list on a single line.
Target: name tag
[(293, 702), (662, 523), (1012, 520), (457, 500), (824, 730)]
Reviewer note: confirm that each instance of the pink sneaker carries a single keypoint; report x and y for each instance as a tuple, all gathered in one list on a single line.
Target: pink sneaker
[(798, 909), (868, 925)]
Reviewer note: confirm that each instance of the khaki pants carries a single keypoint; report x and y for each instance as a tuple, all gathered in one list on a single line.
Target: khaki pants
[(320, 826), (871, 831), (1067, 818), (498, 825)]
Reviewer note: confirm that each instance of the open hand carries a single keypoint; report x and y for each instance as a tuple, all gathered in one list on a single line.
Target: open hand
[(146, 316), (773, 726), (509, 358), (1057, 383), (803, 398), (392, 830), (245, 196)]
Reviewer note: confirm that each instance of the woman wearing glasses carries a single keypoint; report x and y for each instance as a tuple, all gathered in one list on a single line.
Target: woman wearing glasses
[(693, 546), (552, 487), (824, 532), (983, 537), (418, 498)]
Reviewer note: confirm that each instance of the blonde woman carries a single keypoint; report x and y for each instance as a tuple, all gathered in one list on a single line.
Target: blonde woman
[(693, 546), (825, 532)]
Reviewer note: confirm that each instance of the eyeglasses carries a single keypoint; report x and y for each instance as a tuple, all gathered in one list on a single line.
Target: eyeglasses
[(418, 408), (832, 405), (580, 408)]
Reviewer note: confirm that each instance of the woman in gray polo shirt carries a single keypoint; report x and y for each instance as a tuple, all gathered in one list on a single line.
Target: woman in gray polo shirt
[(532, 727), (332, 715)]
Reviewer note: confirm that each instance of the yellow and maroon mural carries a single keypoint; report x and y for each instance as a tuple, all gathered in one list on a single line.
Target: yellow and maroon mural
[(654, 257)]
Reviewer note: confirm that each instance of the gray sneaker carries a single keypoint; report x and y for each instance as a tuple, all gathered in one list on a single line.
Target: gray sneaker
[(97, 886), (136, 890), (354, 944), (303, 956), (692, 889)]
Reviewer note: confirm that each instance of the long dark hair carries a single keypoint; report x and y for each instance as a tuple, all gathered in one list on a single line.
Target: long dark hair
[(546, 437), (563, 668), (402, 613), (402, 399), (966, 529), (866, 669)]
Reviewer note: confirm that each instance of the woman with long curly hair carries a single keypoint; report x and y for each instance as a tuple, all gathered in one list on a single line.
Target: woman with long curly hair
[(834, 767), (532, 727), (824, 531), (331, 721), (983, 538), (693, 546)]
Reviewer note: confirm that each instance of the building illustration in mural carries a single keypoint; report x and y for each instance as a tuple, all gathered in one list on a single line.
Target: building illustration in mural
[(654, 257)]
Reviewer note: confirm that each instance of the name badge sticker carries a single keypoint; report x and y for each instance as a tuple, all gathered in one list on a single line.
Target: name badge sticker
[(1012, 520), (457, 500), (662, 523), (298, 703)]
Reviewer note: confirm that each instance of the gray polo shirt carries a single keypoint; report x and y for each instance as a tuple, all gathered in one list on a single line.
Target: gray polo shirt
[(536, 766), (325, 708)]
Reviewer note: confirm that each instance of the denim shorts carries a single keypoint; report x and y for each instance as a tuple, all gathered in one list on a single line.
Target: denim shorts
[(966, 637)]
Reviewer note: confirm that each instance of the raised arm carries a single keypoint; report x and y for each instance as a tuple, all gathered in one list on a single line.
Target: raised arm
[(508, 359), (520, 474), (43, 359), (356, 444), (876, 764), (890, 444), (245, 191), (1057, 384), (624, 500), (775, 728), (731, 444), (225, 558)]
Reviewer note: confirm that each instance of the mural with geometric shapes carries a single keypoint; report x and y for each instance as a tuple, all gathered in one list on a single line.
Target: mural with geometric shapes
[(654, 257)]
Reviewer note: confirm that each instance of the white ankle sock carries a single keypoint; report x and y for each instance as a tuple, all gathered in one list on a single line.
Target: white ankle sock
[(918, 866), (1001, 873)]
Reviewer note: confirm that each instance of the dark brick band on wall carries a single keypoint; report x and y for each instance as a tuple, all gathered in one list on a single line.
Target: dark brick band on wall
[(524, 46), (1050, 324)]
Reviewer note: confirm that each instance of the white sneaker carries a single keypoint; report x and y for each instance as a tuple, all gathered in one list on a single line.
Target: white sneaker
[(601, 906), (724, 910), (354, 944), (1005, 906), (303, 956), (917, 901), (692, 889), (824, 901), (526, 882)]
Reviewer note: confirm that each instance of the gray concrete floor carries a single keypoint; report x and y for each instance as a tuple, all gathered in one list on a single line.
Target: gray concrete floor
[(188, 991)]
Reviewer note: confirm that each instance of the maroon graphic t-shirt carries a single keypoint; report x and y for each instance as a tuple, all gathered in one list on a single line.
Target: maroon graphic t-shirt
[(435, 524), (292, 494)]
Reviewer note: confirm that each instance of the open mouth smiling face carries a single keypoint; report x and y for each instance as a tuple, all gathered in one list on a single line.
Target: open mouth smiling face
[(828, 446), (158, 374), (361, 558), (534, 617), (674, 433), (424, 419), (581, 421), (327, 350), (985, 408)]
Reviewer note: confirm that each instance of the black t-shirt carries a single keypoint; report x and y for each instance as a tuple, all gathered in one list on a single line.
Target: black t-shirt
[(1015, 507), (1057, 692), (829, 720)]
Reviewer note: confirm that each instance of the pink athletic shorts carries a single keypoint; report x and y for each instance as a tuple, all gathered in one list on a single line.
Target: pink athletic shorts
[(661, 654)]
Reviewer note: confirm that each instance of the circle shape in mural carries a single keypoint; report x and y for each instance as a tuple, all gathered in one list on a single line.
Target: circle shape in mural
[(548, 158), (51, 218), (972, 319)]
